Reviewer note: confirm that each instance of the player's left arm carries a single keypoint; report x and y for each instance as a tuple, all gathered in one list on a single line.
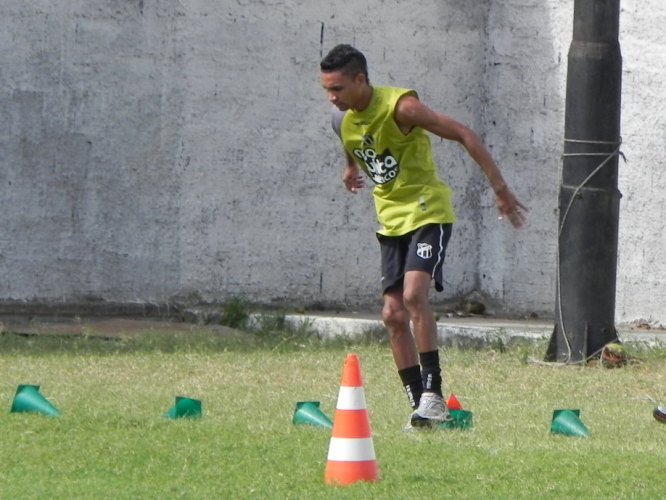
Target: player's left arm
[(410, 112)]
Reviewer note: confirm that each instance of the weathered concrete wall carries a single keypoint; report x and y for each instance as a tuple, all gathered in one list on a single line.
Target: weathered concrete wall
[(525, 86), (92, 107), (168, 151), (641, 291)]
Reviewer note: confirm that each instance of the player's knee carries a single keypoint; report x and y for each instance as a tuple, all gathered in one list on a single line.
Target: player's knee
[(415, 300), (394, 316)]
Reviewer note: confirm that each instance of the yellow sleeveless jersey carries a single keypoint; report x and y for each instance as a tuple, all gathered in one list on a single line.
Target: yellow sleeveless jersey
[(407, 193)]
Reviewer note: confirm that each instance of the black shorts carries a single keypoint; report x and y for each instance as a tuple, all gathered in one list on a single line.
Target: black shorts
[(421, 250)]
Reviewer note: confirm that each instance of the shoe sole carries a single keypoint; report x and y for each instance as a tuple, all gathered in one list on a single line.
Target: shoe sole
[(421, 422)]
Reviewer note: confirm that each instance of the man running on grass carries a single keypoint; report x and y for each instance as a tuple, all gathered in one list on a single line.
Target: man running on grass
[(384, 132)]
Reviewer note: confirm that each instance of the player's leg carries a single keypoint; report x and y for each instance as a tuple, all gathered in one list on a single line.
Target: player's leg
[(396, 320), (431, 409), (396, 317), (415, 299), (423, 264), (403, 347)]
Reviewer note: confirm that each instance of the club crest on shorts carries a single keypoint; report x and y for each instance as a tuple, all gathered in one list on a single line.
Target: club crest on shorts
[(424, 250)]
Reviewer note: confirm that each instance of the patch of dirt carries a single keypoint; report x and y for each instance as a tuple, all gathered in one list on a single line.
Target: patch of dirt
[(105, 328)]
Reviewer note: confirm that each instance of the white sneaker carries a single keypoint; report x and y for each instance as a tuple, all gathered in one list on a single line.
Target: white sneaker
[(431, 411), (416, 422)]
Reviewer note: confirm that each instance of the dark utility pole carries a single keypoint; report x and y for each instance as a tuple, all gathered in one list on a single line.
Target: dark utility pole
[(589, 199)]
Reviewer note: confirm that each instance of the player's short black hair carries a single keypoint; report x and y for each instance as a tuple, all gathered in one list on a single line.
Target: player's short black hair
[(345, 58)]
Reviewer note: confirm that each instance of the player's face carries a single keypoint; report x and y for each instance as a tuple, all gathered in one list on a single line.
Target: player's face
[(342, 90)]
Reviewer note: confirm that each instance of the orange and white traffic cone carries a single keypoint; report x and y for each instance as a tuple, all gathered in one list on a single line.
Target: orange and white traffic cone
[(351, 454)]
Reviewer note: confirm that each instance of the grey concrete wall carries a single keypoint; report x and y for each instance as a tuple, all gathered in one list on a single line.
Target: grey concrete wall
[(523, 124), (641, 291), (180, 151)]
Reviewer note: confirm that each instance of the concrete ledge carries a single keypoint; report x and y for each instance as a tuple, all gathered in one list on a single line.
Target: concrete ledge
[(471, 332), (467, 332), (91, 308), (464, 332)]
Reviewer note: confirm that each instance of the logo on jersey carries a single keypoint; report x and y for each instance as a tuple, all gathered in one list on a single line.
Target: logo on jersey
[(424, 250), (381, 168)]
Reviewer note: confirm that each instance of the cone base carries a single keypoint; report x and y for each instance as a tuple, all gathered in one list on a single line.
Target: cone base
[(460, 419), (28, 399), (309, 413), (568, 423), (184, 408), (345, 473)]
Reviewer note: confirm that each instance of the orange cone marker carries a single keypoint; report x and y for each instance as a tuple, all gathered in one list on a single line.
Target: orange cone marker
[(453, 403), (351, 454)]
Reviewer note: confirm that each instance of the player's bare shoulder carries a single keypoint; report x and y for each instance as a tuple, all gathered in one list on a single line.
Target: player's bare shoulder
[(410, 112)]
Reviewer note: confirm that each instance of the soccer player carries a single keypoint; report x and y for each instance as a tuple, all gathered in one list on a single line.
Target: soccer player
[(384, 133)]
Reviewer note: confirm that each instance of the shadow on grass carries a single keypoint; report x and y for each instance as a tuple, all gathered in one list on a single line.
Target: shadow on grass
[(267, 332)]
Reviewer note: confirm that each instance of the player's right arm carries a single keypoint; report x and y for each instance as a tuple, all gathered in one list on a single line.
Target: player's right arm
[(351, 175)]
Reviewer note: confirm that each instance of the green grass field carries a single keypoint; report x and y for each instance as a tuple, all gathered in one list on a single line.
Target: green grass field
[(113, 442)]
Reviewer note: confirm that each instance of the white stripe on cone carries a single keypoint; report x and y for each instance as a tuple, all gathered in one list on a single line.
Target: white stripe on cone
[(351, 449), (351, 398)]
